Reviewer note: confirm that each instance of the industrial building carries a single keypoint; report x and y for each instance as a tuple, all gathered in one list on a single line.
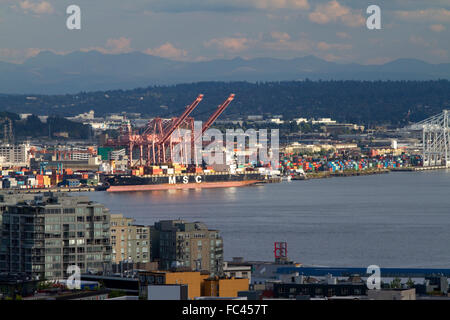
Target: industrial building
[(14, 155)]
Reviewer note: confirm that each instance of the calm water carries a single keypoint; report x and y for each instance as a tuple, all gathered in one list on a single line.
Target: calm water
[(392, 220)]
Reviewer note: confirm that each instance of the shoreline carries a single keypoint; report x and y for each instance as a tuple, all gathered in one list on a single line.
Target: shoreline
[(306, 176), (349, 173), (353, 173)]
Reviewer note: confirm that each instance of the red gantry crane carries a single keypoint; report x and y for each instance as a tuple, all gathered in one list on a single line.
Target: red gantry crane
[(157, 139), (217, 113), (174, 126)]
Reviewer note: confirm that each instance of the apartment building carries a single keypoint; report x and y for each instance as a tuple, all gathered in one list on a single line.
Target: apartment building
[(187, 245), (129, 242), (43, 236)]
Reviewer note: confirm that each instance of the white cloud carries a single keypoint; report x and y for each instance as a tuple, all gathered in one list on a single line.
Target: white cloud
[(167, 50), (43, 7), (113, 46), (325, 46), (379, 60), (20, 55), (281, 36), (441, 53), (333, 11), (426, 15), (300, 45), (437, 27), (278, 4), (343, 35), (417, 40), (277, 42), (120, 45), (229, 44), (225, 5), (280, 41)]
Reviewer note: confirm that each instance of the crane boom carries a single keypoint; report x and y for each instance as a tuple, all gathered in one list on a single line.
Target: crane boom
[(217, 113), (180, 119)]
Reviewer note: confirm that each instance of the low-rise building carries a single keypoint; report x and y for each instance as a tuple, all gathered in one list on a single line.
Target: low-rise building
[(192, 279), (392, 294), (199, 284), (324, 289), (225, 287), (237, 269), (323, 121)]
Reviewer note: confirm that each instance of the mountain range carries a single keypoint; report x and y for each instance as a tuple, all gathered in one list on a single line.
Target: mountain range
[(50, 73)]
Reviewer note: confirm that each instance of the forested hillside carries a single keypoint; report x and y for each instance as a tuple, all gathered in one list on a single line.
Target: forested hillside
[(365, 102)]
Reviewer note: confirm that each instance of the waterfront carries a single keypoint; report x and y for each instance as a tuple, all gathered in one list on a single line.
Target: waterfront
[(393, 220)]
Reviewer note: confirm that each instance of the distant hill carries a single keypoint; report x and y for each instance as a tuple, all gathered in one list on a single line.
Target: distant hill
[(49, 73), (33, 127), (364, 102)]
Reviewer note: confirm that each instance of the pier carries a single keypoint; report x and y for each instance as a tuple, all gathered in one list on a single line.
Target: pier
[(61, 189), (346, 173), (409, 169)]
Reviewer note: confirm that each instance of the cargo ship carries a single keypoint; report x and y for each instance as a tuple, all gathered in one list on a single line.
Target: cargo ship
[(123, 183)]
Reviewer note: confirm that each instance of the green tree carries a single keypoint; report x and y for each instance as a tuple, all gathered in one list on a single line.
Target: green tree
[(396, 283)]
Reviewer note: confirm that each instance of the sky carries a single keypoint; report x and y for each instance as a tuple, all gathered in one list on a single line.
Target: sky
[(199, 30)]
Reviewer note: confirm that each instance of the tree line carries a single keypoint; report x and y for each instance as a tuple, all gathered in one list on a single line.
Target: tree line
[(363, 102)]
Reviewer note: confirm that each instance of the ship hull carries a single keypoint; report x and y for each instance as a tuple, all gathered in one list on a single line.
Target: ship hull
[(178, 182), (159, 187)]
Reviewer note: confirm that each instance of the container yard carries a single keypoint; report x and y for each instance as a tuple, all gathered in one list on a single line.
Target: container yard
[(300, 168), (26, 179)]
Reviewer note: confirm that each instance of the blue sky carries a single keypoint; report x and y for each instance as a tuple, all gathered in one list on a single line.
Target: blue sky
[(195, 30)]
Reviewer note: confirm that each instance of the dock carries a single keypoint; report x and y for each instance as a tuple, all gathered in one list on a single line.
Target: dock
[(347, 173), (42, 190), (412, 169)]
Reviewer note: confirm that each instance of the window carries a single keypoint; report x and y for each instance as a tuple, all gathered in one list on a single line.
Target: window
[(52, 219), (68, 218)]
